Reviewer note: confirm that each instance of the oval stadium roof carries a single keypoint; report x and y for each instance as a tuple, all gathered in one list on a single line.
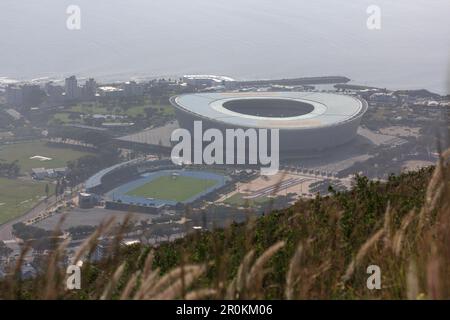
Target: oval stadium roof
[(328, 109)]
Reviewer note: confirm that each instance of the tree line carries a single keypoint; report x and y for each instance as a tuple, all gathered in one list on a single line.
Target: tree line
[(9, 170)]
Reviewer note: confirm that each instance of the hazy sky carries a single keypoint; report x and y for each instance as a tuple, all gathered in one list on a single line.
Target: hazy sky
[(241, 38)]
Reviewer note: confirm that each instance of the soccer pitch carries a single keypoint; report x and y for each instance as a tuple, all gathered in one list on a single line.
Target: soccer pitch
[(178, 188)]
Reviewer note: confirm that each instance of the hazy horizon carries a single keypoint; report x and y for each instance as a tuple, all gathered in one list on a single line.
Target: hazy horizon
[(249, 39)]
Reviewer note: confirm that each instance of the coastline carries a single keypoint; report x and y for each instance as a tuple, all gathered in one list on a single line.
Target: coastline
[(105, 79)]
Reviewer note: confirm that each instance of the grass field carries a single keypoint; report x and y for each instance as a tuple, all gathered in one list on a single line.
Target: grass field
[(18, 196), (177, 189), (99, 109), (23, 151), (63, 117)]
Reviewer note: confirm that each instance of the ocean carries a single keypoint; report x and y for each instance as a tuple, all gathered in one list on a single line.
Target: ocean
[(244, 39)]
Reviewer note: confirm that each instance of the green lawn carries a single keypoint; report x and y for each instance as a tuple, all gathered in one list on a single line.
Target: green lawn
[(63, 117), (166, 110), (136, 111), (23, 152), (18, 196), (177, 189), (92, 108)]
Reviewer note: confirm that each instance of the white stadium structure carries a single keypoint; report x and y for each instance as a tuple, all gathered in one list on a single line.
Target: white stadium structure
[(306, 120)]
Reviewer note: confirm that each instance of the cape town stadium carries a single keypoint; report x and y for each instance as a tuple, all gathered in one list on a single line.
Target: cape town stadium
[(306, 120)]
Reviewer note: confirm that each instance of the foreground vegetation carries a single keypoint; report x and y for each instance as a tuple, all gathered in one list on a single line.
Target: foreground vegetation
[(315, 249)]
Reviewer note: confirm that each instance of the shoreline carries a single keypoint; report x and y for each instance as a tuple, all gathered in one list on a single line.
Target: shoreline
[(112, 79)]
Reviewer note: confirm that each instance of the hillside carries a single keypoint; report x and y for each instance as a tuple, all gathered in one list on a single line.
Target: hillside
[(317, 249)]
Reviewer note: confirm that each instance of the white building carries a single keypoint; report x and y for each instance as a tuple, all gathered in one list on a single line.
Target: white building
[(110, 92), (206, 80), (42, 173)]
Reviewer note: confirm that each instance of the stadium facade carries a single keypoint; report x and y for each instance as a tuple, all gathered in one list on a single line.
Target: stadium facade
[(306, 120), (113, 185)]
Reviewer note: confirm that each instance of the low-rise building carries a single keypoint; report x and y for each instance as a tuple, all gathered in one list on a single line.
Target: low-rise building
[(87, 200), (387, 98), (43, 173), (39, 173), (110, 92), (202, 80), (61, 172)]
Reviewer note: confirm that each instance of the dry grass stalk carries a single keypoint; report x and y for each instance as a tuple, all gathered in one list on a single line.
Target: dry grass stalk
[(433, 275), (131, 284), (324, 267), (387, 227), (292, 276), (146, 284), (412, 281), (243, 270), (148, 265), (400, 234), (201, 294), (176, 289), (53, 271), (168, 278), (118, 233), (112, 284), (361, 254), (257, 272), (15, 281), (152, 286), (91, 242), (231, 290), (435, 189), (437, 196)]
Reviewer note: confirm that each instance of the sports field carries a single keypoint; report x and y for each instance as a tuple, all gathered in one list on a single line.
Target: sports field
[(179, 188), (19, 196), (57, 157)]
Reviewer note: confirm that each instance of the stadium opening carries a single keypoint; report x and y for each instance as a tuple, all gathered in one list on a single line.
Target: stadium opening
[(306, 120)]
